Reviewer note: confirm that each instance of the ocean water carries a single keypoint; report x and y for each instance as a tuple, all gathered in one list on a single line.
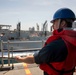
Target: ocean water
[(12, 59)]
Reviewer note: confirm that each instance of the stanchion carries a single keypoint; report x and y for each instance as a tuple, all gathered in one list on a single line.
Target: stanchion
[(8, 54), (12, 58), (2, 53)]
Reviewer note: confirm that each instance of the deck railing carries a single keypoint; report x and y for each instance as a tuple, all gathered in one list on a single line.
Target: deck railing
[(11, 49)]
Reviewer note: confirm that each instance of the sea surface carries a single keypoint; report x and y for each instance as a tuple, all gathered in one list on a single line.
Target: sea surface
[(12, 56)]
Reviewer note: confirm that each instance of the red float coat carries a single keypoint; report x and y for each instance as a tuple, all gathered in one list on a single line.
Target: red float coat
[(67, 66)]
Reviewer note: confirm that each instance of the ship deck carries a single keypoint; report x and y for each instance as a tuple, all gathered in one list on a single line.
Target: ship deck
[(23, 69)]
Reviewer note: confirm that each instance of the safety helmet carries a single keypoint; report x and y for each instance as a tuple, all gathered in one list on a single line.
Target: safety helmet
[(64, 13)]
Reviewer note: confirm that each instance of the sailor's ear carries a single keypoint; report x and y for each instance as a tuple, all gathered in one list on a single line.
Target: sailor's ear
[(63, 24)]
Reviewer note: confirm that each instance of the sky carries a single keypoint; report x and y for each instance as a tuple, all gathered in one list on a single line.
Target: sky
[(31, 12)]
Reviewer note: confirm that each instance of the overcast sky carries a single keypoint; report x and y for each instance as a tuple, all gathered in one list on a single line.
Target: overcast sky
[(30, 12)]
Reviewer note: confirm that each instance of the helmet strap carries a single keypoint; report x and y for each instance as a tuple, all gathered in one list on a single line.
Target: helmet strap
[(59, 21)]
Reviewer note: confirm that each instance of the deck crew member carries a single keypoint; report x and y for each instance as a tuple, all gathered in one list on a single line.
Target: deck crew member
[(58, 56)]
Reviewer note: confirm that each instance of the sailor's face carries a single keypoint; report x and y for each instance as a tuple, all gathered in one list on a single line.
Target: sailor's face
[(55, 24)]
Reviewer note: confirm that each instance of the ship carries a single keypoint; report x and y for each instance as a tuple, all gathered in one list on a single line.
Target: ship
[(21, 40)]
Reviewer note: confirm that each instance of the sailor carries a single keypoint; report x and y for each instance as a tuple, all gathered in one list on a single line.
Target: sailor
[(58, 56)]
